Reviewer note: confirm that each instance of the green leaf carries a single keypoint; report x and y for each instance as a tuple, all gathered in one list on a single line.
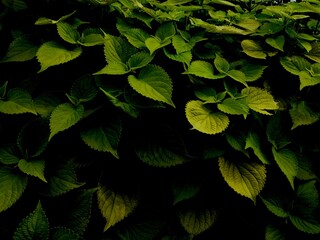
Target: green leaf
[(104, 138), (115, 206), (253, 49), (12, 185), (84, 88), (52, 53), (238, 76), (185, 191), (17, 101), (253, 141), (9, 155), (33, 226), (307, 80), (209, 95), (221, 64), (277, 42), (64, 116), (62, 233), (252, 71), (196, 221), (153, 82), (45, 21), (90, 39), (308, 195), (157, 155), (20, 50), (314, 53), (45, 104), (136, 37), (305, 169), (15, 5), (277, 206), (234, 106), (62, 180), (301, 114), (33, 168), (184, 57), (201, 69), (68, 33), (113, 68), (237, 141), (115, 50), (295, 64), (3, 90), (308, 225), (180, 44), (204, 120), (275, 132), (274, 233), (259, 100), (287, 162), (139, 60), (166, 31), (154, 43), (247, 179)]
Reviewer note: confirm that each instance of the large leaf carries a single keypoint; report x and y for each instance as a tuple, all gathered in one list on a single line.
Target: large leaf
[(259, 100), (62, 180), (204, 120), (253, 141), (287, 162), (153, 82), (12, 185), (64, 116), (295, 64), (307, 80), (159, 156), (20, 50), (33, 168), (166, 31), (33, 226), (116, 49), (245, 178), (301, 114), (17, 101), (104, 138), (196, 221), (314, 53), (52, 53), (115, 206)]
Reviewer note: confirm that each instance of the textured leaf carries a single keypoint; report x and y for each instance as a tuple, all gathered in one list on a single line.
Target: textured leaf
[(253, 141), (247, 179), (275, 132), (259, 100), (17, 101), (115, 206), (197, 221), (84, 89), (62, 233), (308, 195), (204, 120), (307, 225), (12, 185), (305, 169), (91, 39), (201, 69), (9, 155), (301, 114), (221, 64), (20, 50), (166, 31), (307, 80), (238, 142), (154, 43), (277, 206), (277, 42), (274, 233), (234, 106), (67, 32), (295, 64), (238, 76), (61, 180), (136, 37), (52, 53), (252, 71), (139, 60), (253, 49), (33, 168), (184, 57), (104, 138), (287, 162), (113, 68), (159, 156), (314, 53), (33, 226), (180, 45), (64, 116), (153, 82)]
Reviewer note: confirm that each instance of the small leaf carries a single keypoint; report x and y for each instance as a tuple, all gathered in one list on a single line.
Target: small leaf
[(154, 43), (33, 226), (17, 101), (221, 64), (234, 106), (12, 185), (91, 39), (139, 60), (277, 206), (184, 57), (84, 88), (197, 221), (204, 120), (238, 76), (237, 141), (201, 69), (33, 168), (277, 42), (247, 179), (115, 206), (307, 80), (287, 162), (153, 82), (64, 116), (52, 54), (180, 45), (259, 100), (308, 225), (68, 33), (301, 114), (9, 155), (104, 138), (136, 37), (114, 68), (61, 180), (20, 50), (45, 21), (253, 49), (157, 155), (253, 141), (45, 104), (185, 191)]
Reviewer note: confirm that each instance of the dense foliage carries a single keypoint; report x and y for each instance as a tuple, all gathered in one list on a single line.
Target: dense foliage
[(146, 119)]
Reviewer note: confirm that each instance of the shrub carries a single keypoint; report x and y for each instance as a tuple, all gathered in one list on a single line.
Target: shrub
[(144, 119)]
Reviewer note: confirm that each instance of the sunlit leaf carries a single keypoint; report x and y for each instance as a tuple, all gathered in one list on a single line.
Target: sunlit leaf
[(139, 60), (295, 64), (201, 69), (253, 49), (277, 42), (67, 32), (234, 106), (253, 141), (247, 179)]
